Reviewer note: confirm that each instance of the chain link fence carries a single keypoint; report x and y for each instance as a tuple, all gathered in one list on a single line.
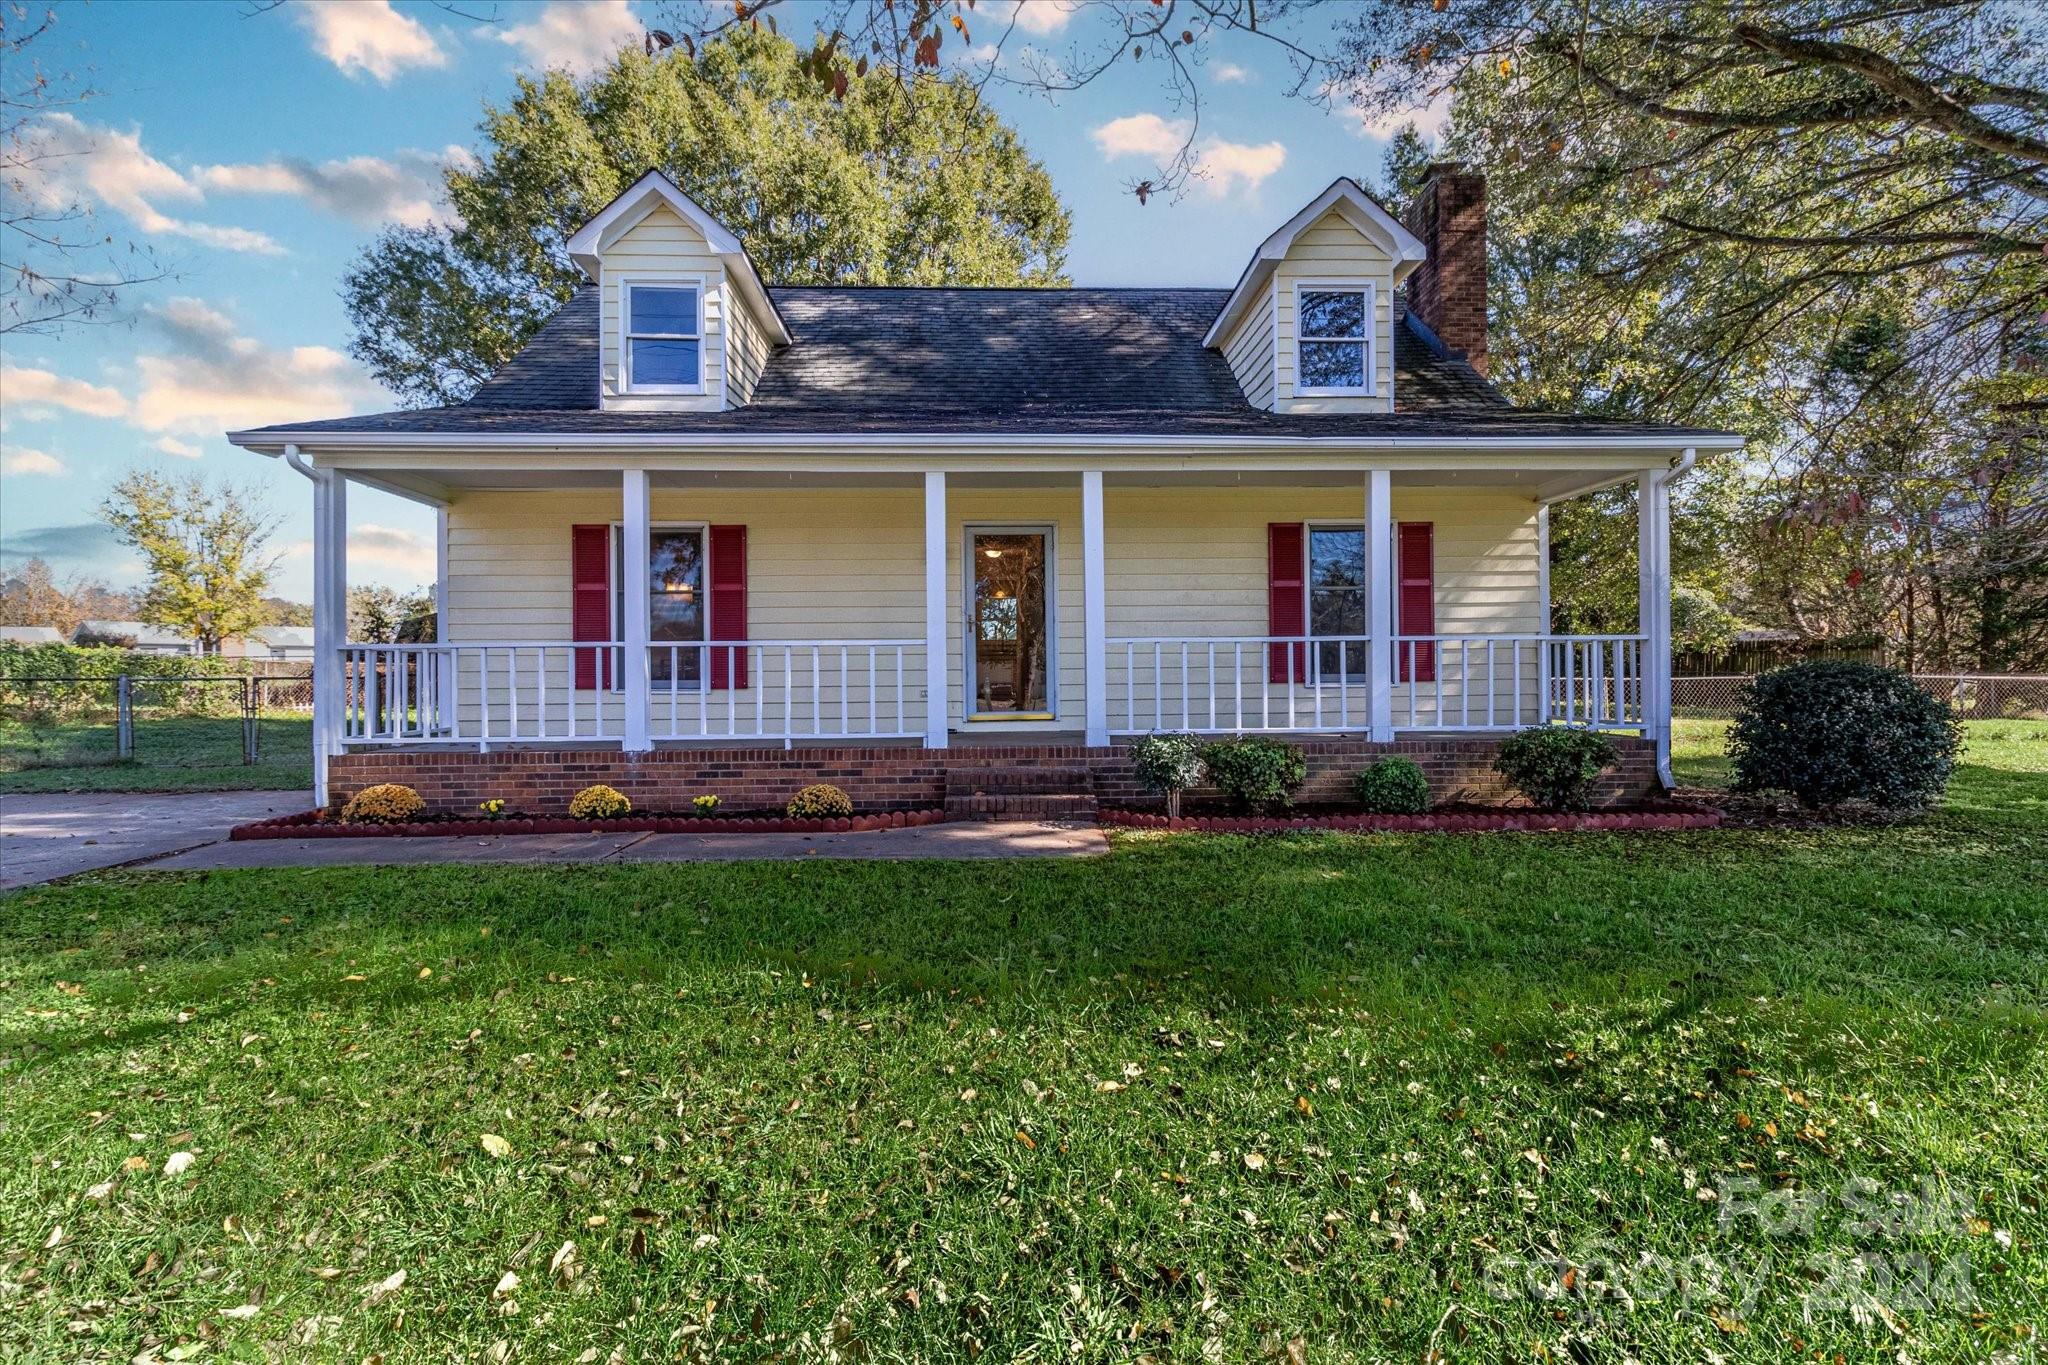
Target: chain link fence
[(1975, 696), (164, 721)]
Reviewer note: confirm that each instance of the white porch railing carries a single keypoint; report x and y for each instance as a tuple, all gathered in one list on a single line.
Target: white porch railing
[(1509, 682), (1292, 684), (510, 692)]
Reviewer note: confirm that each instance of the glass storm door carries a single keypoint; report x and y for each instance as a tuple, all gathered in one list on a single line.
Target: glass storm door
[(1009, 625)]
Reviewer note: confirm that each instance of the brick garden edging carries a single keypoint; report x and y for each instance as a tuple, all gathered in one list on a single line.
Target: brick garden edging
[(1459, 822), (313, 824)]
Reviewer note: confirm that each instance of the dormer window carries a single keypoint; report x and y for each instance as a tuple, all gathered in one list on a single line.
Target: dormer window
[(664, 341), (1333, 338)]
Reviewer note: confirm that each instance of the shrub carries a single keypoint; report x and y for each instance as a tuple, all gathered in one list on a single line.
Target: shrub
[(1392, 786), (599, 803), (706, 804), (1835, 732), (1169, 764), (1555, 765), (1255, 773), (387, 803), (820, 801)]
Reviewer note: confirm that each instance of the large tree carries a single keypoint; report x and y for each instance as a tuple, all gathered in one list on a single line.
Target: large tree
[(857, 181), (203, 547)]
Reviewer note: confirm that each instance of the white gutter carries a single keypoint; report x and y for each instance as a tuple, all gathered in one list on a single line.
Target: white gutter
[(971, 443)]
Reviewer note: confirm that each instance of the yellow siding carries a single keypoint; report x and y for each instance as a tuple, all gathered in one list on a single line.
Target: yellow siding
[(847, 563), (748, 349), (1332, 249), (1249, 349), (661, 245)]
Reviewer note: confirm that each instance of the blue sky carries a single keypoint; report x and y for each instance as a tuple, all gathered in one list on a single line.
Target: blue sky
[(257, 153)]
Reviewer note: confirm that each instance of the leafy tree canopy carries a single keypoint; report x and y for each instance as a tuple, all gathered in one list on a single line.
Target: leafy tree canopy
[(204, 550), (861, 180)]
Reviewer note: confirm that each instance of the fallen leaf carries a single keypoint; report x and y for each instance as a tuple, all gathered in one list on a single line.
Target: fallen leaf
[(386, 1287), (507, 1283), (241, 1312), (495, 1145), (1254, 1161), (179, 1163)]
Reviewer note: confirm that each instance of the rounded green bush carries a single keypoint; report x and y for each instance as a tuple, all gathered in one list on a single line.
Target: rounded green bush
[(1555, 766), (1254, 772), (1168, 764), (1835, 732), (1392, 786)]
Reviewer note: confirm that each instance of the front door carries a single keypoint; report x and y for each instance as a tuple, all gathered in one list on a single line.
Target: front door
[(1009, 623)]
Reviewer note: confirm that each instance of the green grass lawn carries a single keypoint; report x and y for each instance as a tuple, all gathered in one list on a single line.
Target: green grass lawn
[(172, 753), (1211, 1098)]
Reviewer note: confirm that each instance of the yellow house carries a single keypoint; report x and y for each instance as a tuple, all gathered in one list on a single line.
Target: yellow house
[(705, 533)]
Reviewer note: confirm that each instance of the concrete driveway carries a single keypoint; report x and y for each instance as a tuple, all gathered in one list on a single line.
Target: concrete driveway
[(48, 836)]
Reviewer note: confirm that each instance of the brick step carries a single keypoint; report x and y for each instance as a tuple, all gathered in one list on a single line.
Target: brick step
[(995, 781), (1021, 806)]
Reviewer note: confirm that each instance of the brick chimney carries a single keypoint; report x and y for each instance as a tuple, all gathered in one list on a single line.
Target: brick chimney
[(1448, 291)]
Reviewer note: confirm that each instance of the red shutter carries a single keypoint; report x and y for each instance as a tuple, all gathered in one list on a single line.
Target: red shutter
[(728, 566), (590, 575), (1415, 570), (1286, 598)]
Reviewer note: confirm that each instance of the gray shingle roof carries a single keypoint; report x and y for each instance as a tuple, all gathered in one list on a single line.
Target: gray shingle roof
[(974, 361)]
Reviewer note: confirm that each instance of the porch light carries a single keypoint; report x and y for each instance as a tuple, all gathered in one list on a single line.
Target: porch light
[(993, 554)]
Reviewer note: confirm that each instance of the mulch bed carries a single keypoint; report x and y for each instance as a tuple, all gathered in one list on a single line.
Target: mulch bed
[(1764, 810), (318, 824), (1460, 820)]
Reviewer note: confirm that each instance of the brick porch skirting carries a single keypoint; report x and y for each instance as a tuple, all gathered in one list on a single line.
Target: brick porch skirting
[(888, 777)]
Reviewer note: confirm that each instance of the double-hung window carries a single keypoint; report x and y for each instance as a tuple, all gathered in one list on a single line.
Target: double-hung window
[(1336, 601), (1333, 339), (664, 341), (677, 603)]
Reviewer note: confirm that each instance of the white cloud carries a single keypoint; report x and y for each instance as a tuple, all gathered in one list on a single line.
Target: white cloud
[(365, 190), (1430, 120), (1045, 17), (578, 37), (395, 548), (19, 385), (20, 460), (368, 37), (70, 161), (184, 450), (1230, 73), (214, 379), (1220, 168)]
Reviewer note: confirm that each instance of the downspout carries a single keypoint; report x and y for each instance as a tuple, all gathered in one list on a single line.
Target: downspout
[(1679, 467)]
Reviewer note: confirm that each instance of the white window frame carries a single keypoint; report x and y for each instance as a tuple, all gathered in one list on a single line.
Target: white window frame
[(1370, 289), (1351, 678), (618, 565), (627, 284)]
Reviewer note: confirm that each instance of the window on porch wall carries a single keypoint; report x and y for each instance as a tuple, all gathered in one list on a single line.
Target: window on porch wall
[(1336, 600), (676, 603)]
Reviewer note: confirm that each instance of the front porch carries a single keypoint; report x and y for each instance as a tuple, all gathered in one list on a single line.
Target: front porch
[(678, 627)]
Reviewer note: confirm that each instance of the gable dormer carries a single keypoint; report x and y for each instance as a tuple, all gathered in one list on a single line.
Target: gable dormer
[(1310, 326), (684, 322)]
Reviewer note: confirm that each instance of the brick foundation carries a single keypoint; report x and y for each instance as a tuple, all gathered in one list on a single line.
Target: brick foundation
[(886, 777)]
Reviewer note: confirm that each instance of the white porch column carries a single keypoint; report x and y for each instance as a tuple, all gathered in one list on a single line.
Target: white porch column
[(633, 586), (1094, 610), (1653, 610), (444, 665), (330, 621), (936, 706), (1379, 603), (1542, 568)]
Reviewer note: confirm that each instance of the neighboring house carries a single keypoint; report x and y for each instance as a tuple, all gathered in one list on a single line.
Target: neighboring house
[(30, 635), (700, 520), (278, 642), (138, 636)]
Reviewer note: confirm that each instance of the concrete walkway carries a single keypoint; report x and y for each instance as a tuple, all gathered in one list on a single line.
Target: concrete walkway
[(958, 841), (48, 836)]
